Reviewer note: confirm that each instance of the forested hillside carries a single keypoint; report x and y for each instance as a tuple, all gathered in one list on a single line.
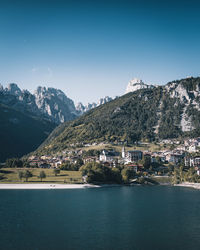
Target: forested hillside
[(167, 111), (21, 133)]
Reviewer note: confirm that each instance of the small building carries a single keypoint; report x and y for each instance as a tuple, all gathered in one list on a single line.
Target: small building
[(90, 159), (134, 156), (107, 156), (198, 171), (134, 167), (174, 158), (131, 156), (192, 149), (192, 161), (44, 165), (153, 159)]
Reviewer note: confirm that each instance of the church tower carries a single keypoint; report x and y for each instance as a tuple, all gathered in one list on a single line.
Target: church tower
[(123, 152)]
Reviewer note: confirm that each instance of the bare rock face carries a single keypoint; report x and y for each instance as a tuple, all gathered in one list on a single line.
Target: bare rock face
[(1, 88), (104, 100), (187, 92), (81, 109), (54, 103), (13, 89), (48, 102), (136, 84)]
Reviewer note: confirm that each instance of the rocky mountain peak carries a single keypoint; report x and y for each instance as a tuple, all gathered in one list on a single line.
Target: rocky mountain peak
[(13, 89), (136, 84), (82, 109), (40, 91), (50, 92), (50, 102), (54, 103), (1, 88), (104, 100)]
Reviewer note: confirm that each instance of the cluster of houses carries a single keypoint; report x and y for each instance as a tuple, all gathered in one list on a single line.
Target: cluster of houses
[(185, 153), (45, 161), (126, 157), (190, 145), (133, 156)]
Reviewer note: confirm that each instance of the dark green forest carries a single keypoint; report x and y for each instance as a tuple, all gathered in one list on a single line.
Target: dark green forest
[(21, 133)]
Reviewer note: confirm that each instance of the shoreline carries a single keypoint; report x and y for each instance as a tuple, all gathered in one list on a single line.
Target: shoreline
[(64, 186), (33, 186), (46, 186), (189, 185)]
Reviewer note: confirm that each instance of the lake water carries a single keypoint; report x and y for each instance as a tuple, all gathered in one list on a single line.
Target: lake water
[(101, 218)]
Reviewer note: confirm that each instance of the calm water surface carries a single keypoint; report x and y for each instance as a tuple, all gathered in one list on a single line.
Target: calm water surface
[(102, 218)]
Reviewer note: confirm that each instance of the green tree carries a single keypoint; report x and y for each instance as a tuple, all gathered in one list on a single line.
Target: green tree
[(191, 175), (97, 173), (67, 166), (146, 161), (179, 175), (26, 164), (127, 173), (42, 175), (14, 163), (78, 164), (27, 175), (116, 175), (56, 171), (20, 175)]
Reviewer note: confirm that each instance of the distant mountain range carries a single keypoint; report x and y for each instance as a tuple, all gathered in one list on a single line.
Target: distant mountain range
[(27, 119), (81, 109), (51, 103), (147, 113)]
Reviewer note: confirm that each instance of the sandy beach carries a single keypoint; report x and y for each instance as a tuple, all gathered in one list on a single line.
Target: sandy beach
[(189, 184), (46, 186)]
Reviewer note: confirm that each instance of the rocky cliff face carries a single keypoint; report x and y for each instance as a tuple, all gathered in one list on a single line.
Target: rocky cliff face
[(187, 93), (49, 102), (1, 88), (54, 103), (82, 109), (136, 84)]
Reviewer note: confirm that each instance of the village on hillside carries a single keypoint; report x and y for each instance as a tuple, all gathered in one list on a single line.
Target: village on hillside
[(185, 154)]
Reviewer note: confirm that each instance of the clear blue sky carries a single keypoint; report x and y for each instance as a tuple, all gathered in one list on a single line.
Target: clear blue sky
[(91, 49)]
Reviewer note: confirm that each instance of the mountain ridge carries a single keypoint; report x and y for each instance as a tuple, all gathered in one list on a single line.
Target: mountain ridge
[(50, 102), (146, 114)]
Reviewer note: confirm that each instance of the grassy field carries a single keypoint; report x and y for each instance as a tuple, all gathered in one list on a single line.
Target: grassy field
[(143, 147), (162, 179), (10, 175)]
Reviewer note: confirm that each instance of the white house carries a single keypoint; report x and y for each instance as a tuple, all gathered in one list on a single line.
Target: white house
[(131, 156), (107, 156), (192, 149)]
